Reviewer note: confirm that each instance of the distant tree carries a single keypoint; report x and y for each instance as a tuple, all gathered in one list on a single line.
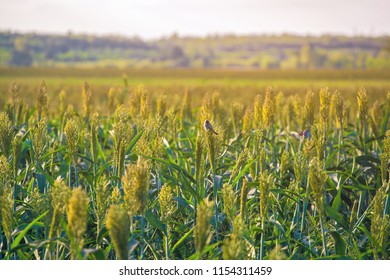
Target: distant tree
[(387, 47), (21, 58), (207, 61), (176, 53), (305, 56)]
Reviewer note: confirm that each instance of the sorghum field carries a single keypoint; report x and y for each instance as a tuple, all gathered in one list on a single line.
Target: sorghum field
[(93, 171)]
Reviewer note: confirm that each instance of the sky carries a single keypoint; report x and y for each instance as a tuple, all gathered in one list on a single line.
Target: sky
[(152, 19)]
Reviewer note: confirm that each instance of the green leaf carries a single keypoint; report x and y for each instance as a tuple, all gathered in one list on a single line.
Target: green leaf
[(47, 155), (181, 240), (337, 201), (27, 228), (339, 243), (41, 182), (242, 172), (335, 215), (154, 252), (385, 123), (154, 221), (186, 185), (367, 233), (134, 141), (46, 175), (93, 254), (278, 225), (174, 166), (184, 203)]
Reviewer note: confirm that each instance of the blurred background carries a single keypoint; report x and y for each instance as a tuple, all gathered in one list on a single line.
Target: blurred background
[(231, 34)]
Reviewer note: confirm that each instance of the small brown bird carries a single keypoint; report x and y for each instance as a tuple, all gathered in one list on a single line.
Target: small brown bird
[(209, 127)]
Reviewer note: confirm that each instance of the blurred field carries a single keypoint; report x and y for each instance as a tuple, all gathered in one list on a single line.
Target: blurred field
[(240, 85)]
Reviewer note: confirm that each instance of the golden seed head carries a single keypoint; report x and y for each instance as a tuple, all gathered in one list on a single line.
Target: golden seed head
[(102, 199), (120, 124), (386, 145), (264, 187), (237, 112), (317, 179), (77, 212), (42, 100), (244, 197), (258, 111), (297, 108), (340, 107), (247, 122), (145, 107), (136, 186), (211, 145), (39, 138), (6, 134), (87, 100), (229, 202), (7, 210), (308, 115), (13, 94), (284, 163), (269, 108), (116, 197), (242, 160), (262, 160), (325, 98), (62, 97), (111, 99), (277, 253), (199, 155), (58, 197), (207, 108), (5, 171), (118, 228), (167, 203), (234, 247), (161, 105), (362, 105), (186, 108), (279, 101), (135, 100), (318, 140), (380, 223), (202, 232), (72, 137), (121, 132), (300, 166)]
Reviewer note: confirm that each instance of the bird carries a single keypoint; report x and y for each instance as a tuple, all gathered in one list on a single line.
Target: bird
[(208, 127), (305, 133)]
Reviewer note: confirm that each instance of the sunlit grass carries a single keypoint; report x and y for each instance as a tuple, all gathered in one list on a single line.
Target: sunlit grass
[(112, 169)]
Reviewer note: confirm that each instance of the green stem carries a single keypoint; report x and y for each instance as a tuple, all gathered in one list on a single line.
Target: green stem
[(361, 197), (70, 175), (215, 205), (296, 217), (261, 253), (387, 205), (142, 236), (167, 252), (305, 204), (323, 237)]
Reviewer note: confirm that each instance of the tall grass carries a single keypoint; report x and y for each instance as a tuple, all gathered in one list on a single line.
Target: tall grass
[(302, 177)]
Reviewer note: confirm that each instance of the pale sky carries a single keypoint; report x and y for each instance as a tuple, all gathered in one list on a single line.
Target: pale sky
[(151, 19)]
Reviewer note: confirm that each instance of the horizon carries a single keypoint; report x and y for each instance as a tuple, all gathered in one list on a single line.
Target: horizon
[(183, 36), (152, 20)]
